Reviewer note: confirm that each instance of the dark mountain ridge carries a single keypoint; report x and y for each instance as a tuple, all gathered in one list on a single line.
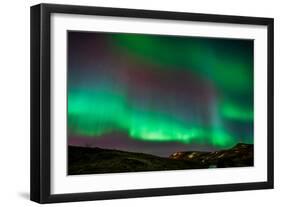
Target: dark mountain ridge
[(87, 160), (238, 156)]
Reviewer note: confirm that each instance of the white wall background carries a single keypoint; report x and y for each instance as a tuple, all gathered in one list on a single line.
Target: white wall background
[(14, 101)]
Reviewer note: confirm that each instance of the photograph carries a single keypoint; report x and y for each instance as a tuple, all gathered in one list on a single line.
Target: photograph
[(148, 102), (129, 103)]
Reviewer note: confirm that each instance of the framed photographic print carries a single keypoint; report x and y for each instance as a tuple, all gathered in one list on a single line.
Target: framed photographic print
[(132, 103)]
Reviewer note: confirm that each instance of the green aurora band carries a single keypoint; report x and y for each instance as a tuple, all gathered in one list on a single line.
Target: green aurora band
[(98, 108)]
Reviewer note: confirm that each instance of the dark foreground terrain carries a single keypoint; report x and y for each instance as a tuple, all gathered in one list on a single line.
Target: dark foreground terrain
[(83, 160)]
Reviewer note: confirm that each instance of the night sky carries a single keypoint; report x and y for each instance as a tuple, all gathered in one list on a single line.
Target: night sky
[(159, 94)]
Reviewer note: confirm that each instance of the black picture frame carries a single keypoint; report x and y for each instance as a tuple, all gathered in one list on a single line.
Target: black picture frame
[(40, 184)]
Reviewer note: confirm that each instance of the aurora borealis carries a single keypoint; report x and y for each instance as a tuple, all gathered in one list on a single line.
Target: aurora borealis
[(159, 94)]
